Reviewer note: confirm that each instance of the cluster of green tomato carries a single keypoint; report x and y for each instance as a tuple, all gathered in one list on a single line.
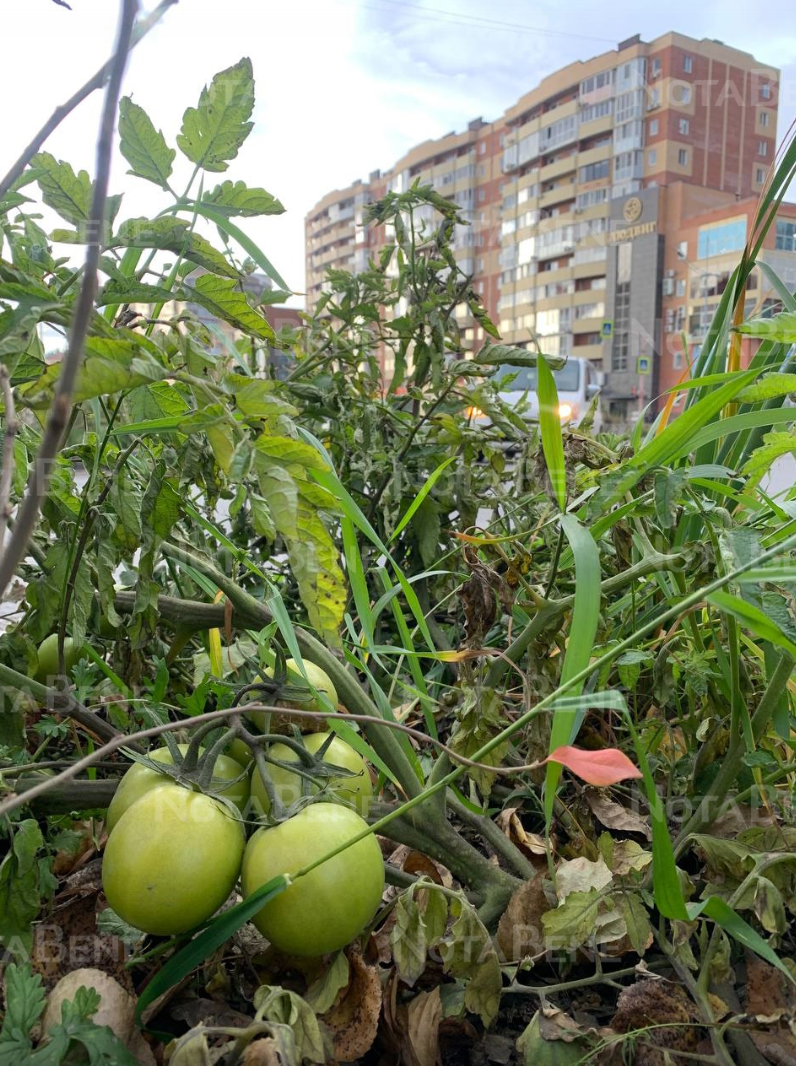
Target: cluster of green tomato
[(174, 855)]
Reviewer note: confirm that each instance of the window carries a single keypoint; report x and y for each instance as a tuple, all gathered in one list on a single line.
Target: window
[(688, 64), (764, 117), (596, 310), (682, 157), (566, 129), (656, 67), (502, 139), (628, 165), (628, 106), (654, 100), (621, 346), (590, 198), (786, 236), (683, 126), (481, 195), (628, 135), (723, 237), (652, 157), (594, 171), (597, 81), (680, 287), (765, 91), (653, 127), (593, 111), (677, 360), (761, 175), (681, 94)]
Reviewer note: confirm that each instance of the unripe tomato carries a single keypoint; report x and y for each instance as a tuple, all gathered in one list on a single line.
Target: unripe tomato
[(318, 678), (172, 860), (240, 751), (139, 779), (324, 910), (356, 791), (48, 656)]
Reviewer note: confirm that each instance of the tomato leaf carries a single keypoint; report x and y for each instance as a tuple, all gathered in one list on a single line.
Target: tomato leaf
[(601, 768)]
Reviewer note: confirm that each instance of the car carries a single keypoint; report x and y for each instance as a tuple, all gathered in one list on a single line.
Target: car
[(577, 383)]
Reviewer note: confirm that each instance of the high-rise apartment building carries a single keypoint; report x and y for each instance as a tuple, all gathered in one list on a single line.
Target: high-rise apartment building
[(577, 198)]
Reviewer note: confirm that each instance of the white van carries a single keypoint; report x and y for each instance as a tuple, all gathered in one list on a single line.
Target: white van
[(577, 384)]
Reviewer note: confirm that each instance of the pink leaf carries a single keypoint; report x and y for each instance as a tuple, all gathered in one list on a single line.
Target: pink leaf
[(603, 767)]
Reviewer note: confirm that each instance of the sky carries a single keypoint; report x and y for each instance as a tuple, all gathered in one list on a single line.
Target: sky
[(343, 86)]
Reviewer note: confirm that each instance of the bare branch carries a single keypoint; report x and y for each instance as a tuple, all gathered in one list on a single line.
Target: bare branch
[(59, 412), (122, 741), (6, 474), (62, 3), (96, 82)]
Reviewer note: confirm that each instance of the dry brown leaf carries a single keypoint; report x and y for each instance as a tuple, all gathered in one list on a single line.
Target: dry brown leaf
[(772, 1001), (532, 844), (556, 1024), (418, 864), (615, 816), (581, 875), (354, 1019), (423, 1016), (520, 931), (69, 940), (654, 1003), (740, 816)]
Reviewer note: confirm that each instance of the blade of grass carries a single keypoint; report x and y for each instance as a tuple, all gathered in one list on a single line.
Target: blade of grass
[(582, 631), (550, 429)]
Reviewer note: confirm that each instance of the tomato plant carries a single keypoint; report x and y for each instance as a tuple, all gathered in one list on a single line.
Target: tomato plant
[(139, 779), (172, 860), (355, 790), (47, 656), (324, 910)]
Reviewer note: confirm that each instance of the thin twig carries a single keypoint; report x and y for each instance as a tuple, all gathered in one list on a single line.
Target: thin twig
[(7, 473), (201, 719), (62, 401), (59, 702), (94, 83), (85, 532)]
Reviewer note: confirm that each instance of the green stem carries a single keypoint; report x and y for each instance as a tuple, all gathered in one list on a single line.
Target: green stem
[(348, 689), (731, 764), (555, 610)]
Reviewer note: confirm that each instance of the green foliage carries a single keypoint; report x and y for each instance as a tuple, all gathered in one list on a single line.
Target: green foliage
[(349, 496), (75, 1039), (213, 132), (143, 146)]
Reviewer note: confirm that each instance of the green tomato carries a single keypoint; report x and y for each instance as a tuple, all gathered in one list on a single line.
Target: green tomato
[(140, 779), (172, 860), (240, 751), (356, 791), (317, 677), (324, 910), (48, 656)]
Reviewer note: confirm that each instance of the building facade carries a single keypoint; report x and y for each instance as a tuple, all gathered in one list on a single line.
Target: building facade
[(579, 197)]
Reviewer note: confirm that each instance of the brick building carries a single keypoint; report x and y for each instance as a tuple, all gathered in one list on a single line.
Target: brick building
[(580, 196)]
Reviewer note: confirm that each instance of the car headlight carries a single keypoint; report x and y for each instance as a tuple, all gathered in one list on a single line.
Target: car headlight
[(567, 411)]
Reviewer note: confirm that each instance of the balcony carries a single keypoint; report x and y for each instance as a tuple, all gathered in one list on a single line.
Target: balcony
[(559, 167), (558, 195), (597, 125), (588, 325), (588, 351), (594, 155)]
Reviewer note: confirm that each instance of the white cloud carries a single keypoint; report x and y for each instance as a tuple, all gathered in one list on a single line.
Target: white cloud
[(343, 86)]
